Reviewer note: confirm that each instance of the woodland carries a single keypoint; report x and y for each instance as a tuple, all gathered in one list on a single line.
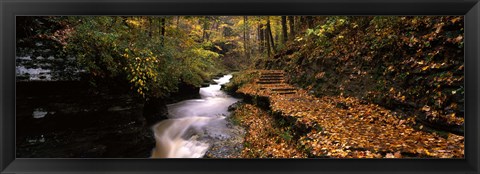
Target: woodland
[(311, 86)]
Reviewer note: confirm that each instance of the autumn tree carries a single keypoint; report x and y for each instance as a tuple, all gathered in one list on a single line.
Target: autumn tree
[(291, 23), (269, 38), (245, 39), (284, 29)]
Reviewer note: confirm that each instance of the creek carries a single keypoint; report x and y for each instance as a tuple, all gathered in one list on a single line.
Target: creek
[(194, 126)]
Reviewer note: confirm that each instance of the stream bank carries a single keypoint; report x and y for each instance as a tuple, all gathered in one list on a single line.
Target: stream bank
[(63, 119), (75, 123)]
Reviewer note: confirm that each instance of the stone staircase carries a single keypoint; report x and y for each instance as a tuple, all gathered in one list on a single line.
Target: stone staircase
[(273, 82)]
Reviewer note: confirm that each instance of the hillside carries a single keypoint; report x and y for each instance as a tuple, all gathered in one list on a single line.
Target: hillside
[(408, 64)]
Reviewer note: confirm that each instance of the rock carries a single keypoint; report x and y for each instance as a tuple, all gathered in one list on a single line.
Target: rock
[(118, 108), (155, 110), (39, 113), (227, 147), (234, 106)]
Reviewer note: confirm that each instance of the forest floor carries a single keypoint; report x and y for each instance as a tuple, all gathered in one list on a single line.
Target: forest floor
[(283, 121)]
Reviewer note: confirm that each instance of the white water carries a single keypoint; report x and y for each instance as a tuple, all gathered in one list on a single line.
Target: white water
[(193, 122)]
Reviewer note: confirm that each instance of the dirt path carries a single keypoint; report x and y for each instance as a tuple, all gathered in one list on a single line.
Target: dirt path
[(335, 126)]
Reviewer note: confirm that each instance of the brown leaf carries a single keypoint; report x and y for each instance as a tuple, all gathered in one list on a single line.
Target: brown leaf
[(458, 39), (398, 154), (426, 108), (439, 28), (455, 20), (389, 155)]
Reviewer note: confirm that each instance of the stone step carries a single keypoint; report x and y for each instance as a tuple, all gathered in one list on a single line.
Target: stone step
[(286, 92), (271, 78), (278, 88), (283, 89), (267, 76), (270, 86), (283, 85), (269, 82), (272, 74)]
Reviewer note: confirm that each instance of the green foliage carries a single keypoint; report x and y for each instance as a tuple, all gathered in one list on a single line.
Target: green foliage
[(197, 63), (285, 135), (241, 78), (131, 48), (322, 33), (331, 25)]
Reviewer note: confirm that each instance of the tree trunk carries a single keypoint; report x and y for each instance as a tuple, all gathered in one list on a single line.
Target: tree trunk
[(261, 38), (267, 42), (205, 26), (309, 20), (270, 36), (298, 23), (245, 39), (284, 29), (178, 22), (150, 27), (163, 31), (291, 21)]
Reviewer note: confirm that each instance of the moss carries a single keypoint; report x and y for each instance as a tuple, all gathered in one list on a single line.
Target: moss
[(239, 79)]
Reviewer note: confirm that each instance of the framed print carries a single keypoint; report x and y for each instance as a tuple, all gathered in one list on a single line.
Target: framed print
[(239, 86)]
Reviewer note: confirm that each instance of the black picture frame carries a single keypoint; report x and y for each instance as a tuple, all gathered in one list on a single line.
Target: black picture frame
[(11, 8)]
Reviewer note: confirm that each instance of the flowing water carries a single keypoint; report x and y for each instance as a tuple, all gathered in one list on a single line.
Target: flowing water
[(195, 124)]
